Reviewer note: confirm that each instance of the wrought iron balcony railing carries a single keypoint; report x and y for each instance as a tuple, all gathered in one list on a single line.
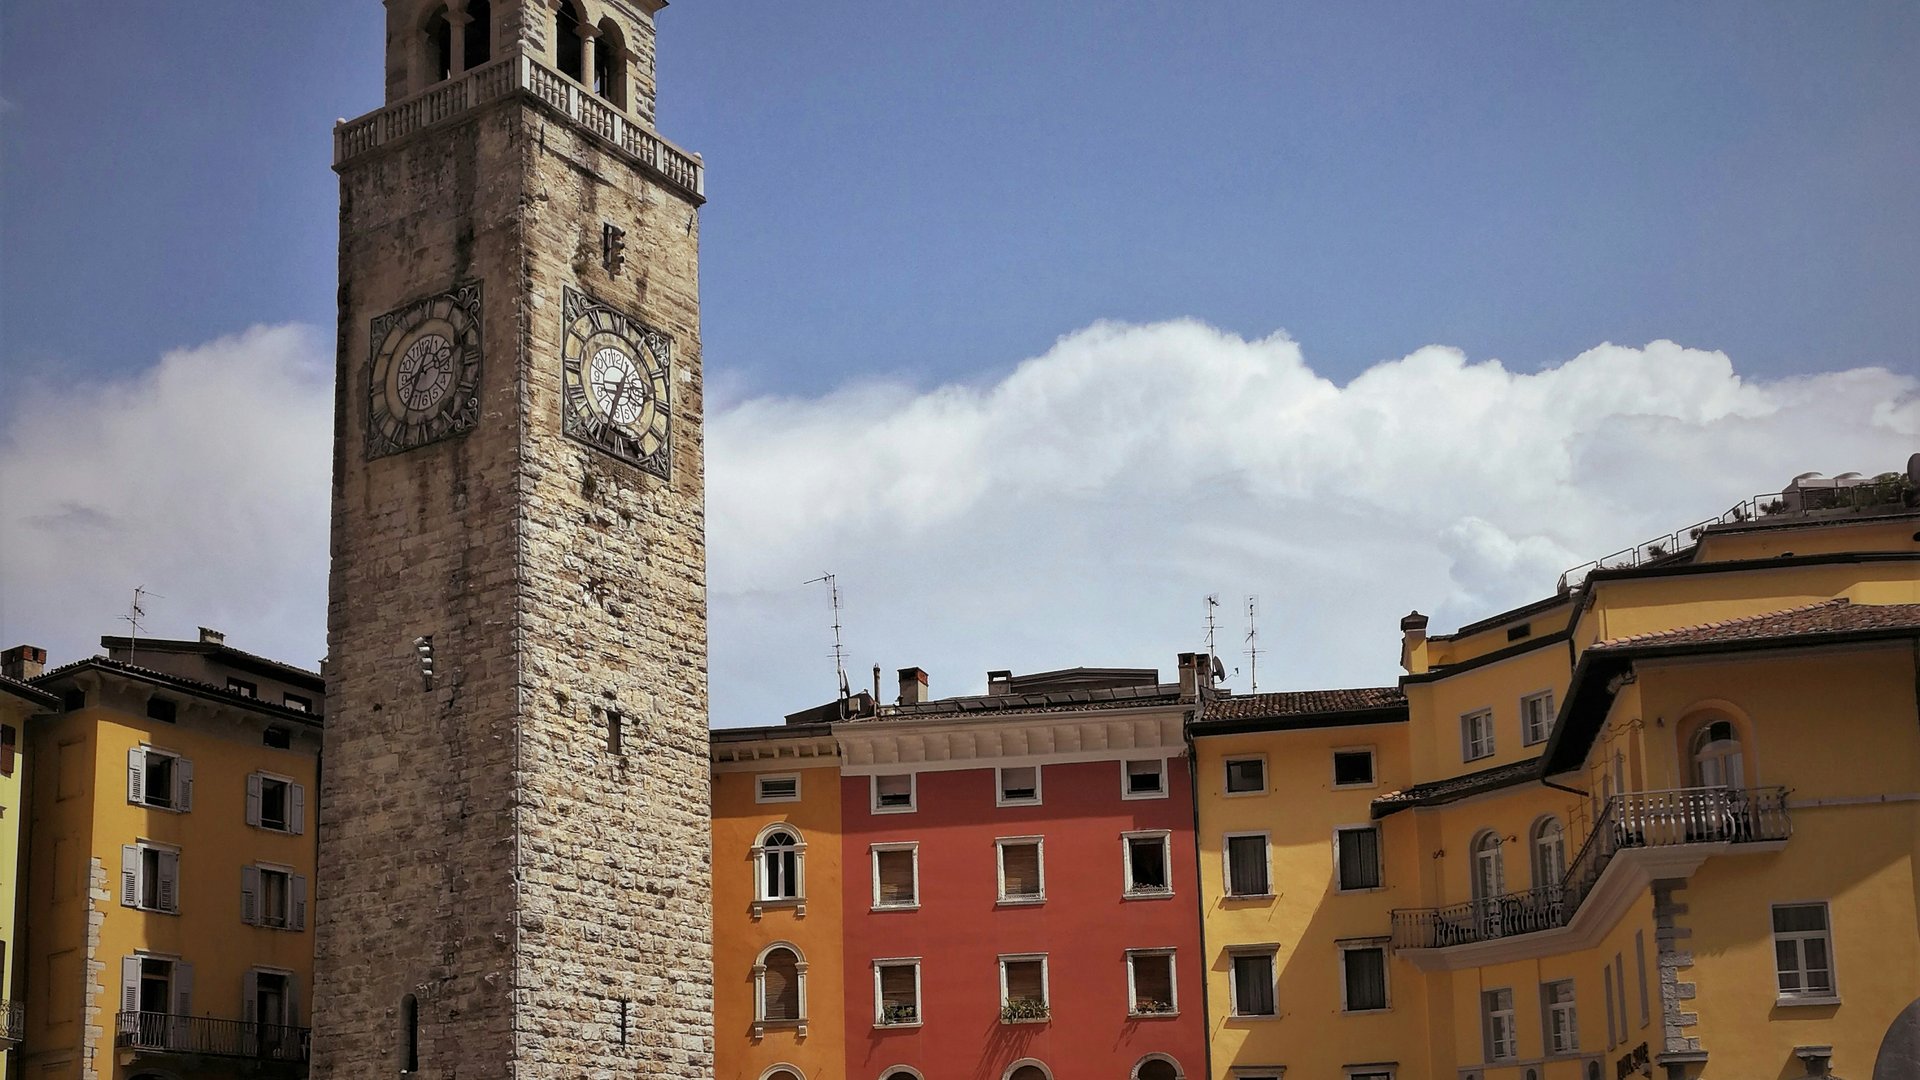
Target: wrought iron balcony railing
[(165, 1033), (13, 1022), (1636, 819)]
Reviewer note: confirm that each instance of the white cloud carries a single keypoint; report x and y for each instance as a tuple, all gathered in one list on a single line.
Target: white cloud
[(1075, 512)]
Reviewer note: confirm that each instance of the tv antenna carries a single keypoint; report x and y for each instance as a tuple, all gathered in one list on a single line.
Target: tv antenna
[(839, 650), (1213, 601), (135, 612), (1253, 641)]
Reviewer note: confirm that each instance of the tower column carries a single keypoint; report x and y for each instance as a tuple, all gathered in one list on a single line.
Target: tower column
[(588, 34), (457, 20)]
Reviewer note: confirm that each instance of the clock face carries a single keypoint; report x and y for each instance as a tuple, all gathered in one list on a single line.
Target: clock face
[(614, 373), (423, 379)]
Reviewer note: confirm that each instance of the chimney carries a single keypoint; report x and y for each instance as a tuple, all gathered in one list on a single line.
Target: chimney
[(1413, 643), (212, 637), (999, 682), (913, 686), (23, 662), (1196, 670)]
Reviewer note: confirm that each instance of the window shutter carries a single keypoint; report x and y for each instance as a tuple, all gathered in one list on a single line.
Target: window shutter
[(130, 984), (897, 985), (169, 888), (182, 999), (250, 999), (292, 1019), (896, 877), (297, 918), (1020, 865), (782, 986), (1024, 982), (250, 895), (130, 876), (9, 737), (136, 768), (297, 808), (253, 800), (183, 785), (1152, 980)]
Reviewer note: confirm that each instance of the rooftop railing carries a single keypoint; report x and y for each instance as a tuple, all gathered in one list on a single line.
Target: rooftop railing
[(520, 74), (1637, 819), (165, 1033)]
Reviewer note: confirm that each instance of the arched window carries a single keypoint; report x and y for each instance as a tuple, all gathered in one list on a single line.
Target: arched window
[(1157, 1067), (1027, 1069), (779, 859), (1717, 757), (439, 46), (1549, 852), (478, 48), (1489, 872), (409, 1034), (782, 1072), (610, 64), (780, 987), (901, 1072), (567, 51)]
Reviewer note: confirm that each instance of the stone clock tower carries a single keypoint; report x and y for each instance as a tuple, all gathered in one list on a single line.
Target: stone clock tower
[(514, 862)]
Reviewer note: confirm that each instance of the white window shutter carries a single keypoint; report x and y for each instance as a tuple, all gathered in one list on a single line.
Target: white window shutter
[(130, 984), (182, 999), (130, 875), (250, 895), (183, 785), (250, 999), (297, 918), (136, 771), (297, 809), (253, 800), (169, 889)]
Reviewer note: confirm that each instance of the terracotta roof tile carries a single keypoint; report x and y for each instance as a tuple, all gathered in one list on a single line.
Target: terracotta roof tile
[(1304, 703), (1827, 617), (989, 705), (1437, 792)]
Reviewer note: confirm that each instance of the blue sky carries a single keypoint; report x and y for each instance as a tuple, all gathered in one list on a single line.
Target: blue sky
[(1035, 323)]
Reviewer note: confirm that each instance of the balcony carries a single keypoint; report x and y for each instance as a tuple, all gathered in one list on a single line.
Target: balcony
[(152, 1035), (13, 1023), (1663, 833)]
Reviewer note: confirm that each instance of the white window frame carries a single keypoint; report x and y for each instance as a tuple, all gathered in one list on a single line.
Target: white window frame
[(879, 1003), (1000, 786), (1470, 746), (1529, 736), (1226, 776), (1570, 1009), (913, 794), (1368, 1072), (1126, 779), (1386, 978), (1226, 865), (1379, 856), (1537, 848), (296, 803), (1127, 888), (1045, 1072), (873, 858), (892, 1071), (762, 897), (1257, 1072), (1829, 996), (779, 1066), (133, 883), (1046, 989), (1173, 983), (1149, 1059), (1000, 844), (760, 1021), (1496, 1021), (182, 793), (1272, 953), (1373, 767), (760, 788)]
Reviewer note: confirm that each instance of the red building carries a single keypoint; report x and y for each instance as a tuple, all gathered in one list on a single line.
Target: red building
[(1018, 876)]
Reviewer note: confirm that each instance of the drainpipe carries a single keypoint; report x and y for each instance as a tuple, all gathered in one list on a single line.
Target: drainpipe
[(1199, 900), (1565, 788)]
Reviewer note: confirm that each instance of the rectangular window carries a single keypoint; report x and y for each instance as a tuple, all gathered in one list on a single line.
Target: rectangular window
[(159, 708), (1620, 985), (297, 703), (277, 737), (1150, 983), (896, 993), (776, 789), (893, 794), (1247, 865), (274, 802), (242, 687), (1019, 786), (1557, 1012), (1496, 1010), (1363, 978), (1149, 869), (1246, 776), (616, 733), (150, 878), (1022, 875), (9, 746), (1640, 970), (1023, 988), (1476, 735), (159, 779), (1144, 779), (1252, 976), (896, 876), (1357, 855), (1803, 952), (1352, 768), (1536, 718), (274, 897), (1606, 991)]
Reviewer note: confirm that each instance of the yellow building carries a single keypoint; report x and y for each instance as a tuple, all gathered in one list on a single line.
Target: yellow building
[(1662, 821), (171, 846), (19, 702), (779, 990)]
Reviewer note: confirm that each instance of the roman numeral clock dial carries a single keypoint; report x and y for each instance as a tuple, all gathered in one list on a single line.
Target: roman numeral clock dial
[(617, 396)]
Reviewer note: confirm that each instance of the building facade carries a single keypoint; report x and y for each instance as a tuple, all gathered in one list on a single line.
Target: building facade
[(514, 874), (20, 702)]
